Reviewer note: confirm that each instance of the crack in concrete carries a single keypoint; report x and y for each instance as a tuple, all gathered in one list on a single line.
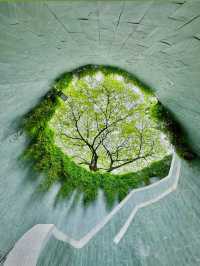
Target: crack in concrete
[(188, 22), (118, 21), (82, 19), (98, 23), (60, 22), (176, 19), (144, 46), (135, 23), (165, 42), (196, 37), (119, 18), (180, 3), (13, 24)]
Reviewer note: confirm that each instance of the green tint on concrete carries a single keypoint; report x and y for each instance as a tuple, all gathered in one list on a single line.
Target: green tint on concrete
[(156, 40), (165, 233)]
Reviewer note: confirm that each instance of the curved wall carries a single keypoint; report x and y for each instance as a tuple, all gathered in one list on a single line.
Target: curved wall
[(159, 41)]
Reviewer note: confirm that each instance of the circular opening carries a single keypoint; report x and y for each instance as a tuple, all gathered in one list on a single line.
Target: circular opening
[(98, 128), (104, 123)]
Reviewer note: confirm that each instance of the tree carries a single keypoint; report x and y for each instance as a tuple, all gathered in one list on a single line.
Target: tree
[(105, 125)]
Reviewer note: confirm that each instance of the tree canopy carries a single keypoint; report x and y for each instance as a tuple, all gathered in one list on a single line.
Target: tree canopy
[(105, 124), (99, 127)]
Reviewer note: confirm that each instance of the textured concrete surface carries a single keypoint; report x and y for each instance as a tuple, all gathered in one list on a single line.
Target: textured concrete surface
[(165, 234), (30, 245), (159, 41), (27, 250)]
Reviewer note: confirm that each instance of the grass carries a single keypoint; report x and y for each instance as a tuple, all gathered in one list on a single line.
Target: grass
[(58, 167)]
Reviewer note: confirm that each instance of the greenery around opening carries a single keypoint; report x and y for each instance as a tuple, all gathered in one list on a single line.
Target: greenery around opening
[(104, 125), (57, 166)]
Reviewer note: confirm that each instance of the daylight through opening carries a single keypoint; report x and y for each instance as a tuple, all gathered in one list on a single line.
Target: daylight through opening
[(105, 124)]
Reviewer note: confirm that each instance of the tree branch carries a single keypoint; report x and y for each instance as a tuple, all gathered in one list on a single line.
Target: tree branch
[(77, 127), (71, 137), (127, 162)]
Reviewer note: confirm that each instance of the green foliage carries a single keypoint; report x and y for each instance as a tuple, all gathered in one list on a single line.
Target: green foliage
[(176, 134), (107, 70), (56, 166), (104, 124)]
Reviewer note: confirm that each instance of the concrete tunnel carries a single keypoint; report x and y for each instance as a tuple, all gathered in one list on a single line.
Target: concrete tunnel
[(159, 42)]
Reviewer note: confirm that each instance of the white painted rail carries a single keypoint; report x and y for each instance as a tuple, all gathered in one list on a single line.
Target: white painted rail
[(27, 249), (171, 180)]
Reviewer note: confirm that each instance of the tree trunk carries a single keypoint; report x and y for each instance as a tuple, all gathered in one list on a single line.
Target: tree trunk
[(93, 165)]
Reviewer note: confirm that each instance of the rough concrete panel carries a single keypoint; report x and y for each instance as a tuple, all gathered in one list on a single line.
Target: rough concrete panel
[(159, 41)]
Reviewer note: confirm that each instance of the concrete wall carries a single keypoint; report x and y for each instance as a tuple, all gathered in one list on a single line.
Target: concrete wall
[(158, 41)]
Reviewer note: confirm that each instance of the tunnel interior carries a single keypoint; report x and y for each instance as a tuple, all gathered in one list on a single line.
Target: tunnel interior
[(157, 41)]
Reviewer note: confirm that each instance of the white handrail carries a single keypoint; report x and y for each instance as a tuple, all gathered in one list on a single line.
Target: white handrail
[(173, 187), (27, 249)]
